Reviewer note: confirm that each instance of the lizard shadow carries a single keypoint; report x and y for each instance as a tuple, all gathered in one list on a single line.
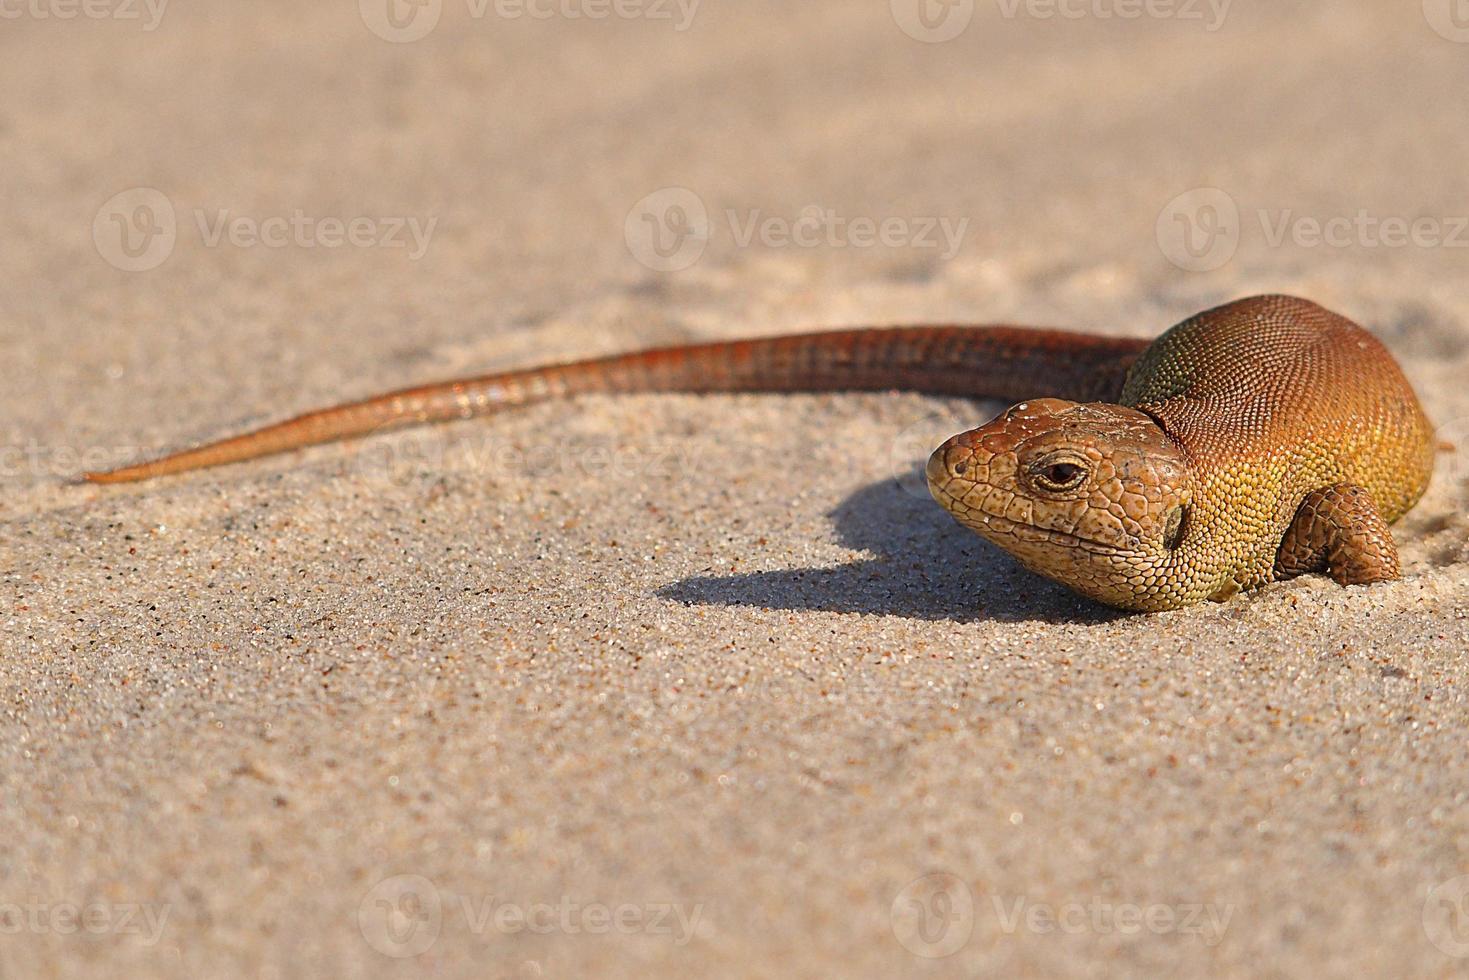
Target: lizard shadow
[(925, 567)]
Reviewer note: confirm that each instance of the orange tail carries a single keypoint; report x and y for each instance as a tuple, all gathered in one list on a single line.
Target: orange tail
[(991, 362)]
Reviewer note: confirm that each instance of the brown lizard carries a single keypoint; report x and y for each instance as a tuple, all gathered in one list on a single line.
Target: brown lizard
[(1253, 442)]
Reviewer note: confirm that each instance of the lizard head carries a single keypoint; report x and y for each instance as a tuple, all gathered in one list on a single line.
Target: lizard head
[(1094, 496)]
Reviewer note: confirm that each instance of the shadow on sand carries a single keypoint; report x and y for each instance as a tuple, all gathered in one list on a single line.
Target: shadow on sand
[(926, 567)]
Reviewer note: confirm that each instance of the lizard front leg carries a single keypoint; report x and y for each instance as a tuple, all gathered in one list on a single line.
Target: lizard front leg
[(1339, 530)]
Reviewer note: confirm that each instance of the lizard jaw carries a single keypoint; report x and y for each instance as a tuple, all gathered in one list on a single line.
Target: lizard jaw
[(1002, 530)]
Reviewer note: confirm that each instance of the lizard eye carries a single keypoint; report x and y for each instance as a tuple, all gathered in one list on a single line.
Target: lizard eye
[(1058, 475)]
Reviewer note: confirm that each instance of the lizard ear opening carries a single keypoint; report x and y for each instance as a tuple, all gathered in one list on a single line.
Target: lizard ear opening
[(1173, 530)]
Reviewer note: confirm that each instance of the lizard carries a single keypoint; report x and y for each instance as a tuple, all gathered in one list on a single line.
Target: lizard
[(1253, 442)]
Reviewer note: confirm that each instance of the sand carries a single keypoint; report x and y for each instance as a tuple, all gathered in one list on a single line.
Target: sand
[(671, 686)]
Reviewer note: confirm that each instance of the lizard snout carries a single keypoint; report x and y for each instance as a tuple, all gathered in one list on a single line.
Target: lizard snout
[(989, 454), (958, 463)]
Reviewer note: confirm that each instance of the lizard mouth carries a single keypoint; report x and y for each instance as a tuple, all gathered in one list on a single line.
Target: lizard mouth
[(1003, 530)]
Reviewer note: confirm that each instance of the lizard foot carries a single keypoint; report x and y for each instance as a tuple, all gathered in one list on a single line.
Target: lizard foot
[(1339, 530)]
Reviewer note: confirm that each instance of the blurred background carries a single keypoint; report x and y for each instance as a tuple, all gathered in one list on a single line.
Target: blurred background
[(1071, 148)]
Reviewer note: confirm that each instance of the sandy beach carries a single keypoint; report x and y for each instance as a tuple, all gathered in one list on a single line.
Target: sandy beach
[(693, 686)]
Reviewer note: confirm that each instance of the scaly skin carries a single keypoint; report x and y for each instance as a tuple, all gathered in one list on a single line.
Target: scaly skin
[(1259, 440), (1256, 441)]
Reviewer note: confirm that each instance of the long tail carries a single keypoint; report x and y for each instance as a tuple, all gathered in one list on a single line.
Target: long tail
[(991, 362)]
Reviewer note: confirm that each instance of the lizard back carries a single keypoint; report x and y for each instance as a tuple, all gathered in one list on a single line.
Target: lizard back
[(1273, 398)]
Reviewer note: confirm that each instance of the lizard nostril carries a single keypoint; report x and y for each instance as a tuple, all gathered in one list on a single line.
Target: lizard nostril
[(959, 468)]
